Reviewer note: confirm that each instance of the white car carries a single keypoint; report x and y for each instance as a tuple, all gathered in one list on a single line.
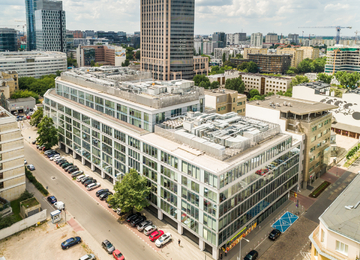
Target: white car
[(149, 229), (55, 157), (163, 240), (59, 205), (79, 178), (93, 186), (87, 257), (25, 162)]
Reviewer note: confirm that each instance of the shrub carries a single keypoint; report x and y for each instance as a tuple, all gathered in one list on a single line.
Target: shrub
[(34, 181)]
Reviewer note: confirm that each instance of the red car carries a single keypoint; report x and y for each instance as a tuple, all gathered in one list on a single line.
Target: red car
[(155, 235), (118, 255), (27, 117)]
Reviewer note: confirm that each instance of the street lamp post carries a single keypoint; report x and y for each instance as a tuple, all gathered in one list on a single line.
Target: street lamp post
[(240, 246)]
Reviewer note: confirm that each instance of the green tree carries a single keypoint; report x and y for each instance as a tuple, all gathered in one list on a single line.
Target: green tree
[(199, 78), (235, 84), (58, 73), (305, 66), (47, 133), (25, 82), (298, 80), (130, 53), (238, 56), (270, 94), (71, 62), (292, 70), (24, 94), (257, 97), (348, 79), (3, 102), (252, 67), (125, 63), (214, 84), (324, 77), (37, 117), (229, 64), (138, 55), (130, 193), (253, 93), (224, 57), (199, 51), (92, 63)]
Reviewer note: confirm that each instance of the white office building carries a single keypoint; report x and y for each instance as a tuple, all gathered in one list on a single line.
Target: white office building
[(33, 63), (213, 176), (256, 40)]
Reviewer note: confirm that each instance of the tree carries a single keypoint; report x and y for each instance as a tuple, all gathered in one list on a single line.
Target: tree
[(58, 73), (37, 117), (298, 80), (292, 70), (199, 78), (257, 97), (305, 66), (253, 93), (199, 51), (25, 82), (92, 63), (130, 193), (3, 102), (48, 134), (138, 55), (214, 84), (71, 62), (346, 79), (24, 94), (238, 56), (252, 67), (224, 57), (125, 63), (324, 77), (235, 84), (229, 64)]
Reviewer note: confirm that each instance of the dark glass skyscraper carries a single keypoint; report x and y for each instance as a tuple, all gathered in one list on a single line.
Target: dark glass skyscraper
[(31, 6), (167, 38), (8, 40)]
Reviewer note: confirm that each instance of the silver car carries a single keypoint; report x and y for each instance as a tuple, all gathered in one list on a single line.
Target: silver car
[(149, 229), (108, 246)]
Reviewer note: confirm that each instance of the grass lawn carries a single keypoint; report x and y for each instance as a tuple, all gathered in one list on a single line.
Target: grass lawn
[(15, 204), (30, 203)]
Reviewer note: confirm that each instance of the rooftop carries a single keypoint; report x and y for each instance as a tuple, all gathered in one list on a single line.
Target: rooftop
[(220, 92), (30, 54), (343, 215), (265, 76), (292, 105), (317, 85)]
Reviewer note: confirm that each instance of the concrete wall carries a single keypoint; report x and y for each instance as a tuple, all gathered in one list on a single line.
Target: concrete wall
[(23, 224)]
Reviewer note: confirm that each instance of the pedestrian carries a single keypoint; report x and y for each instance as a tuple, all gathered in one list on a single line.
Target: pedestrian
[(179, 242), (225, 252), (220, 255)]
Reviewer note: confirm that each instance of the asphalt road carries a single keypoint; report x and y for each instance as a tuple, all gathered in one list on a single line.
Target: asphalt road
[(93, 217)]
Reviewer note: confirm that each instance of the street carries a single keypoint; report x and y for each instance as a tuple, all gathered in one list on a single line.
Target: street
[(93, 217)]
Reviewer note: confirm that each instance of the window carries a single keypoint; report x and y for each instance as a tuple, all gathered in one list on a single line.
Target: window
[(313, 138), (191, 170), (160, 117), (134, 142), (239, 103), (107, 130), (119, 135), (169, 159), (312, 149), (341, 247), (322, 235), (148, 149), (314, 128)]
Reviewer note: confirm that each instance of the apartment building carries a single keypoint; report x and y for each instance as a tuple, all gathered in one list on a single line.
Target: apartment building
[(223, 101), (248, 51), (337, 236), (293, 38), (201, 65), (9, 83), (221, 78), (102, 54), (228, 51), (203, 179), (256, 40), (33, 63), (271, 38), (346, 115), (235, 38), (296, 53), (271, 63), (218, 40), (12, 172), (310, 52), (343, 58), (265, 84), (309, 119)]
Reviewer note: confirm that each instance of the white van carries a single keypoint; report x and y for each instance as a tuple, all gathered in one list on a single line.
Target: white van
[(79, 178), (59, 205)]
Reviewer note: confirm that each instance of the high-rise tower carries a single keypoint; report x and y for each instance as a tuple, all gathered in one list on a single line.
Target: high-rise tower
[(167, 38), (30, 6)]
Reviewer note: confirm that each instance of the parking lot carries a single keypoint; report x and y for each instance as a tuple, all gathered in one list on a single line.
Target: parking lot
[(42, 243)]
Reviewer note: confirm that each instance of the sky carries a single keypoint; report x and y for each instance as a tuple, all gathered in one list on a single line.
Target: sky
[(229, 16)]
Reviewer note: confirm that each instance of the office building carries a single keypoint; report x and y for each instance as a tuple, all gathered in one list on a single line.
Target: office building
[(8, 39), (307, 119), (33, 63), (256, 40), (293, 38), (271, 63), (69, 42), (112, 36), (222, 101), (201, 65), (346, 115), (271, 38), (12, 175), (89, 33), (76, 33), (208, 47), (265, 84), (30, 6), (247, 51), (219, 40), (296, 53), (101, 54), (235, 38), (221, 78), (337, 236), (342, 58), (9, 82), (50, 26), (167, 45), (202, 177)]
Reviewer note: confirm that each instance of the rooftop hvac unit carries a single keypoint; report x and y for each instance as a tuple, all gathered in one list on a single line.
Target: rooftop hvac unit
[(285, 104), (289, 104), (277, 104), (257, 102)]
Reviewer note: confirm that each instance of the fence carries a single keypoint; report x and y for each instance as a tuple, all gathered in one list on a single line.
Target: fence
[(23, 224)]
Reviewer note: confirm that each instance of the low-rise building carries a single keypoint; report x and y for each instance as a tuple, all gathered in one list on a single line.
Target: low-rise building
[(265, 84), (248, 51), (223, 101), (101, 54), (309, 119), (271, 63), (337, 237), (201, 65), (221, 78), (33, 63), (20, 105), (228, 51), (346, 114), (12, 175), (9, 82)]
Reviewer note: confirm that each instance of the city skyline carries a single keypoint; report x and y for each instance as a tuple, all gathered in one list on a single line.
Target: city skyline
[(248, 16)]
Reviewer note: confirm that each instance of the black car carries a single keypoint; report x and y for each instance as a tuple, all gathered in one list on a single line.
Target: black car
[(105, 195), (88, 182), (86, 178), (274, 234), (99, 192), (252, 255), (70, 242), (61, 161), (137, 221), (66, 165), (73, 169), (34, 142), (132, 216)]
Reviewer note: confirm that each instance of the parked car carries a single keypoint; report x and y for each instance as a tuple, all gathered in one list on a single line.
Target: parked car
[(31, 167), (51, 199), (70, 242), (163, 240), (49, 155), (88, 257), (143, 225), (252, 255), (93, 186), (132, 216), (137, 221), (25, 162), (59, 205), (66, 165), (27, 117), (49, 152), (86, 178), (74, 169), (155, 235), (118, 255), (274, 234), (63, 160), (149, 229), (56, 156), (108, 246), (34, 142), (99, 192), (79, 178), (76, 173), (63, 163), (88, 182), (105, 195)]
